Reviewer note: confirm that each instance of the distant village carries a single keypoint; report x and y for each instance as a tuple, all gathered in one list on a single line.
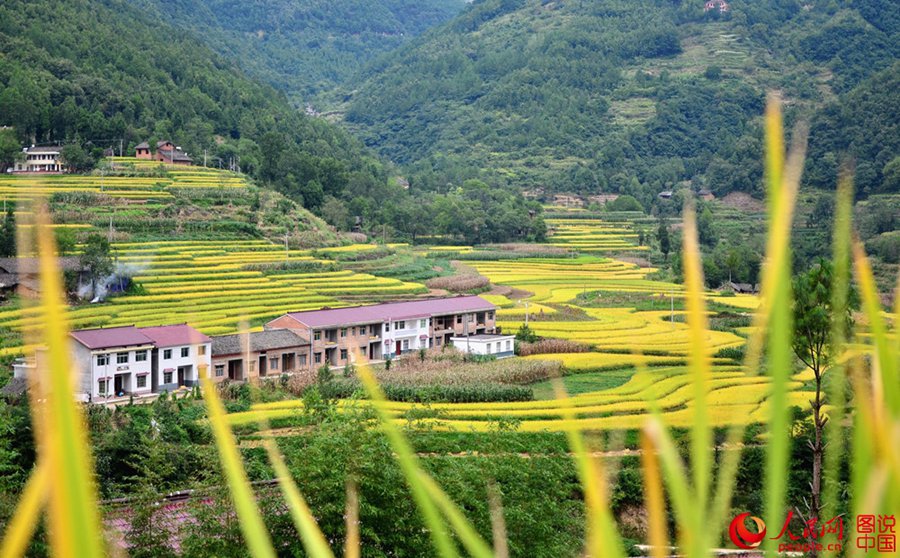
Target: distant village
[(42, 159), (121, 363)]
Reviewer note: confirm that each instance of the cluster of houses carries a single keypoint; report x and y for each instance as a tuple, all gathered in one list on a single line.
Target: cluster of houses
[(47, 159), (117, 362)]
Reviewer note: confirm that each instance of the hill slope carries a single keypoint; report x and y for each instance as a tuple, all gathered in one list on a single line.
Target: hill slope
[(633, 97), (303, 47), (102, 70)]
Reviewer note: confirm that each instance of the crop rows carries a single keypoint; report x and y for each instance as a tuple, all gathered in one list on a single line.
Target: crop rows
[(592, 235)]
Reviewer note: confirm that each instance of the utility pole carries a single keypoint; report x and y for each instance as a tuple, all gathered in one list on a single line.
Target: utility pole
[(121, 147), (285, 246), (204, 158), (110, 234), (672, 308)]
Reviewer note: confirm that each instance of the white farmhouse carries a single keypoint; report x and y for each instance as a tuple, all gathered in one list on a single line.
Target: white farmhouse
[(179, 353), (500, 346)]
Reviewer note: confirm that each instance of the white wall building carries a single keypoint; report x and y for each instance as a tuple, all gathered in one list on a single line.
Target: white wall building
[(500, 346), (179, 353), (410, 333), (40, 159), (118, 362)]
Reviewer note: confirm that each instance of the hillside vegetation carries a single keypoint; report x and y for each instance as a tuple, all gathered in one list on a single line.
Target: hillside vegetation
[(303, 47), (631, 97)]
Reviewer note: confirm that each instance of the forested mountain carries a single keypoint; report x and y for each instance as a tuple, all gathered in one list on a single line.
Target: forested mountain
[(97, 72), (303, 46), (631, 96)]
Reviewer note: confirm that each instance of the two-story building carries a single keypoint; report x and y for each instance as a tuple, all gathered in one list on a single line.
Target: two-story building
[(258, 354), (121, 361), (42, 159), (180, 354), (387, 330)]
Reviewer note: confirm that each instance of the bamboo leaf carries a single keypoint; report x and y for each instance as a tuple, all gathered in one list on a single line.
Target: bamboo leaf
[(27, 515)]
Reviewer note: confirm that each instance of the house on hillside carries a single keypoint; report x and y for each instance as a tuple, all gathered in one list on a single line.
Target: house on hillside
[(258, 354), (740, 288), (388, 330), (166, 152), (706, 195), (23, 274), (142, 151), (721, 5), (40, 159), (499, 346), (118, 362)]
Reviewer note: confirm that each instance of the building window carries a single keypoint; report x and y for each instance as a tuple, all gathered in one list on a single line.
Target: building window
[(406, 344), (102, 360), (185, 352), (344, 332), (459, 318), (121, 358), (387, 326), (140, 356), (302, 360), (167, 354), (400, 325), (490, 315), (252, 366), (343, 354), (273, 363), (362, 330), (101, 387), (488, 348), (317, 336), (142, 381), (167, 377), (352, 331), (423, 323), (220, 370), (201, 350), (507, 345), (437, 341), (318, 358)]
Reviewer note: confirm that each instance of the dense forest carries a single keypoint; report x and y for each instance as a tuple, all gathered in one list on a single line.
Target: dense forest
[(634, 97), (103, 73), (303, 48)]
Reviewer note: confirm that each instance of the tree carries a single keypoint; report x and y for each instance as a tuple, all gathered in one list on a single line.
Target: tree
[(814, 321), (665, 243), (76, 158), (706, 228), (8, 234), (9, 148), (96, 260)]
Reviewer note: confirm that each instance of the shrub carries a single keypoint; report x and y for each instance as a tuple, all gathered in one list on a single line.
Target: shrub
[(460, 283), (551, 346), (734, 353), (526, 334)]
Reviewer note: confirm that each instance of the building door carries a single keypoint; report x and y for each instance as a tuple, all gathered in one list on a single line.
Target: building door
[(184, 374), (235, 370), (262, 365), (121, 385), (399, 348)]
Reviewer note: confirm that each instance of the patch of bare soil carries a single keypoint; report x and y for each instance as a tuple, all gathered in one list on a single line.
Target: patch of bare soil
[(744, 202), (509, 292), (636, 260)]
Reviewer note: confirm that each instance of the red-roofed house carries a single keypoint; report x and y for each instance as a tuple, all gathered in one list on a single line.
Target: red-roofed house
[(387, 330), (179, 354), (121, 361)]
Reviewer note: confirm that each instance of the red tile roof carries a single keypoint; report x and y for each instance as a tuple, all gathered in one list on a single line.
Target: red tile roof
[(333, 317), (174, 335), (104, 338)]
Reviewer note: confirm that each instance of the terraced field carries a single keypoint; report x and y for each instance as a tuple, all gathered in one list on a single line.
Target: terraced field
[(214, 285), (734, 398), (112, 183), (592, 235)]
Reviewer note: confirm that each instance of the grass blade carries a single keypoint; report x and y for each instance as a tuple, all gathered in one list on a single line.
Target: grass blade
[(28, 514), (698, 364), (653, 496), (255, 534), (74, 521), (423, 492), (310, 535), (602, 536)]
